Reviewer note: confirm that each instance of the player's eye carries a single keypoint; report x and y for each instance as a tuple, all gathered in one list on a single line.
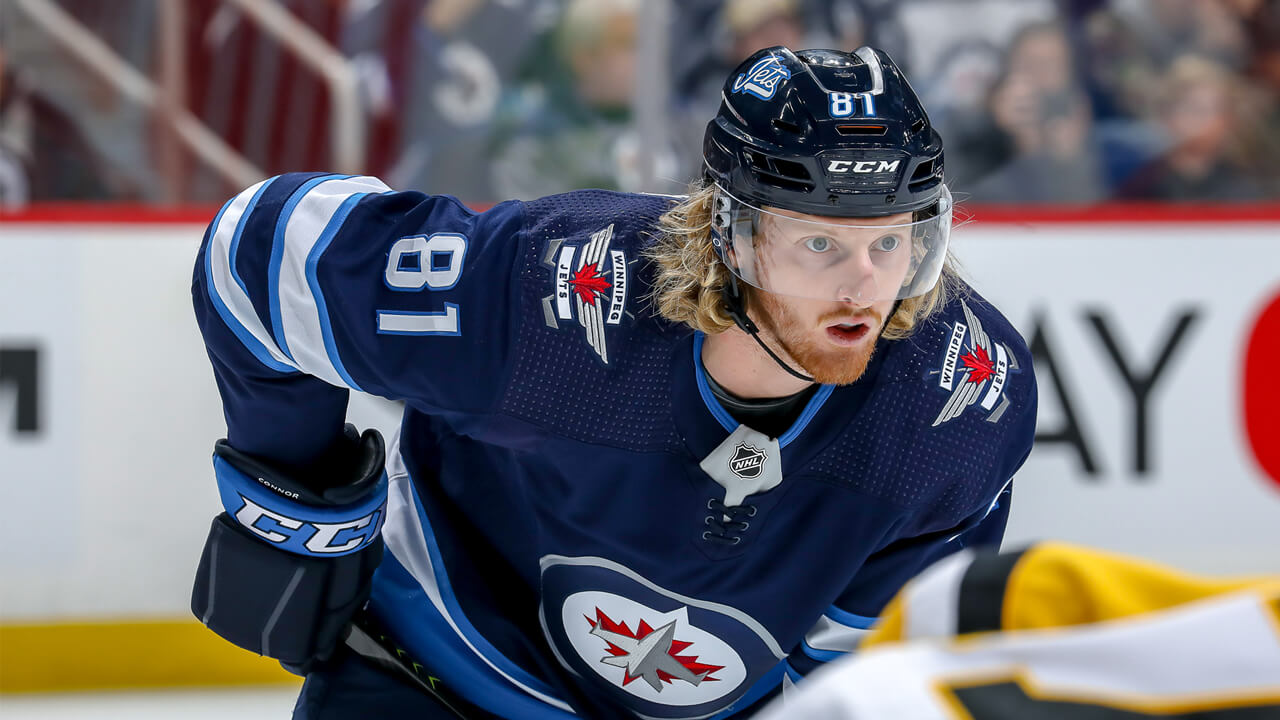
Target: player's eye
[(888, 243), (818, 243)]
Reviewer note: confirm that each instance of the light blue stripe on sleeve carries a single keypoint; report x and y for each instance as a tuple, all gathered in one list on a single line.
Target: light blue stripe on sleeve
[(277, 252), (326, 326), (428, 595), (311, 224), (837, 633)]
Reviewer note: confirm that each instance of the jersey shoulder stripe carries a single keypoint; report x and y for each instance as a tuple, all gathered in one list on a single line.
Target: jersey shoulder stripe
[(277, 254), (306, 227), (227, 291)]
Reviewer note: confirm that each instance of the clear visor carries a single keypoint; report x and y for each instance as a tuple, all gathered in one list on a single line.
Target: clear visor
[(859, 260)]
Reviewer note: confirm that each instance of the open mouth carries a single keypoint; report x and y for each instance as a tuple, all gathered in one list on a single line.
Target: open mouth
[(847, 333)]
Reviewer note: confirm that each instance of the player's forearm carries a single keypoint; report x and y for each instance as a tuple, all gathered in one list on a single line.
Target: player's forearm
[(273, 410)]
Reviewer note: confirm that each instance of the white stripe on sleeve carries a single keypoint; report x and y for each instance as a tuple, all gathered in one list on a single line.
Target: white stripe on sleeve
[(304, 328), (228, 292)]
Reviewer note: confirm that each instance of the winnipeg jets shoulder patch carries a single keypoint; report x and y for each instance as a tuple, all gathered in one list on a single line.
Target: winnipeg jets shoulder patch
[(591, 283), (975, 368)]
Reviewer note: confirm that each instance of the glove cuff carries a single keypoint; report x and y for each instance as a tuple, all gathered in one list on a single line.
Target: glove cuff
[(283, 513)]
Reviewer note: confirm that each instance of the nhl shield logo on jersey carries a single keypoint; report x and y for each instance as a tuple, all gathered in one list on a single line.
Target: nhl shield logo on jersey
[(747, 461), (590, 286), (974, 371), (660, 653)]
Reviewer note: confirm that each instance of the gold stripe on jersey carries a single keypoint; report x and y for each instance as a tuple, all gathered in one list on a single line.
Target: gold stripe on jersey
[(1057, 585), (1054, 585)]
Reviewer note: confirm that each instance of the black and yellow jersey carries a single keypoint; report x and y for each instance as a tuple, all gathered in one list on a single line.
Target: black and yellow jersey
[(1061, 633)]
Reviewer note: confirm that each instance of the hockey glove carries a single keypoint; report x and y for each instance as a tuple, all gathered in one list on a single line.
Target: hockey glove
[(285, 567)]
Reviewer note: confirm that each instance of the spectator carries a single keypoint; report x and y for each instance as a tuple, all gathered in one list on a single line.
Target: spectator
[(936, 27), (1199, 106), (1129, 45), (754, 24), (460, 59), (854, 23), (958, 98), (1045, 117), (1263, 22), (571, 126), (956, 51), (740, 28)]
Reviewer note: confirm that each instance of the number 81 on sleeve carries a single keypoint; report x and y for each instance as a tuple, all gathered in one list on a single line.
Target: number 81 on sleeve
[(419, 262)]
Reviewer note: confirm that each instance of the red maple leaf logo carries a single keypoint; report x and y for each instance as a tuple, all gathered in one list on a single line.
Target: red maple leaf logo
[(689, 661), (589, 283), (979, 364)]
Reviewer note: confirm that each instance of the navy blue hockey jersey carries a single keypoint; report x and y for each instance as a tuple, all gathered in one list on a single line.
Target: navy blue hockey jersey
[(553, 545)]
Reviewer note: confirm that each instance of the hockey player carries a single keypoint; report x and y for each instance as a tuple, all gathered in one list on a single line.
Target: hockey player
[(659, 456), (1059, 632)]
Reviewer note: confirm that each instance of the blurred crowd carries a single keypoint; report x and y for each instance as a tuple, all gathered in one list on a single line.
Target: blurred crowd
[(1072, 102)]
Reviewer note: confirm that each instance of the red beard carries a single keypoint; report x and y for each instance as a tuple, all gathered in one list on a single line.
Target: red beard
[(826, 363)]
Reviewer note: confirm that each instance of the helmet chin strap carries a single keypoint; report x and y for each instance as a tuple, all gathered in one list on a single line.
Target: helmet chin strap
[(733, 304)]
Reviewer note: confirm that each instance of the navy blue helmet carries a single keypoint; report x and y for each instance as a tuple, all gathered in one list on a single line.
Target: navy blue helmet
[(824, 132)]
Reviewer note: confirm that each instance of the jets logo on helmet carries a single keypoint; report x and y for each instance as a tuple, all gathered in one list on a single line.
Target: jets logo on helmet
[(762, 79)]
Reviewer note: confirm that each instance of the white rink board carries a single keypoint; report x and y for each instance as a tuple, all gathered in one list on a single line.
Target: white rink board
[(1203, 502), (105, 508)]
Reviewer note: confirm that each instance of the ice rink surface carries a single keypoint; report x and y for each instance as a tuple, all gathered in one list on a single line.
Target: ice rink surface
[(274, 703)]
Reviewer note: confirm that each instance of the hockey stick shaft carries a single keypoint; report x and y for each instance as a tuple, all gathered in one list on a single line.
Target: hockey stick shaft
[(367, 640)]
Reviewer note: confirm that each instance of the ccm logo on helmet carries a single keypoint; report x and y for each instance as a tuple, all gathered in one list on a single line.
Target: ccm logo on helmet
[(862, 166)]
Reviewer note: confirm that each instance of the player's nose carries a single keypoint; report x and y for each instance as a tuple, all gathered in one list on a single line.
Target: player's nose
[(857, 283), (861, 294)]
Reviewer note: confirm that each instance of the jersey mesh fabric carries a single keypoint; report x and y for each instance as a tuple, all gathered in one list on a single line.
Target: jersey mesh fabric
[(636, 383), (965, 449)]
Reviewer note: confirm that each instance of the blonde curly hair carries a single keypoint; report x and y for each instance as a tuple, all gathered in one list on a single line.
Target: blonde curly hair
[(689, 278)]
